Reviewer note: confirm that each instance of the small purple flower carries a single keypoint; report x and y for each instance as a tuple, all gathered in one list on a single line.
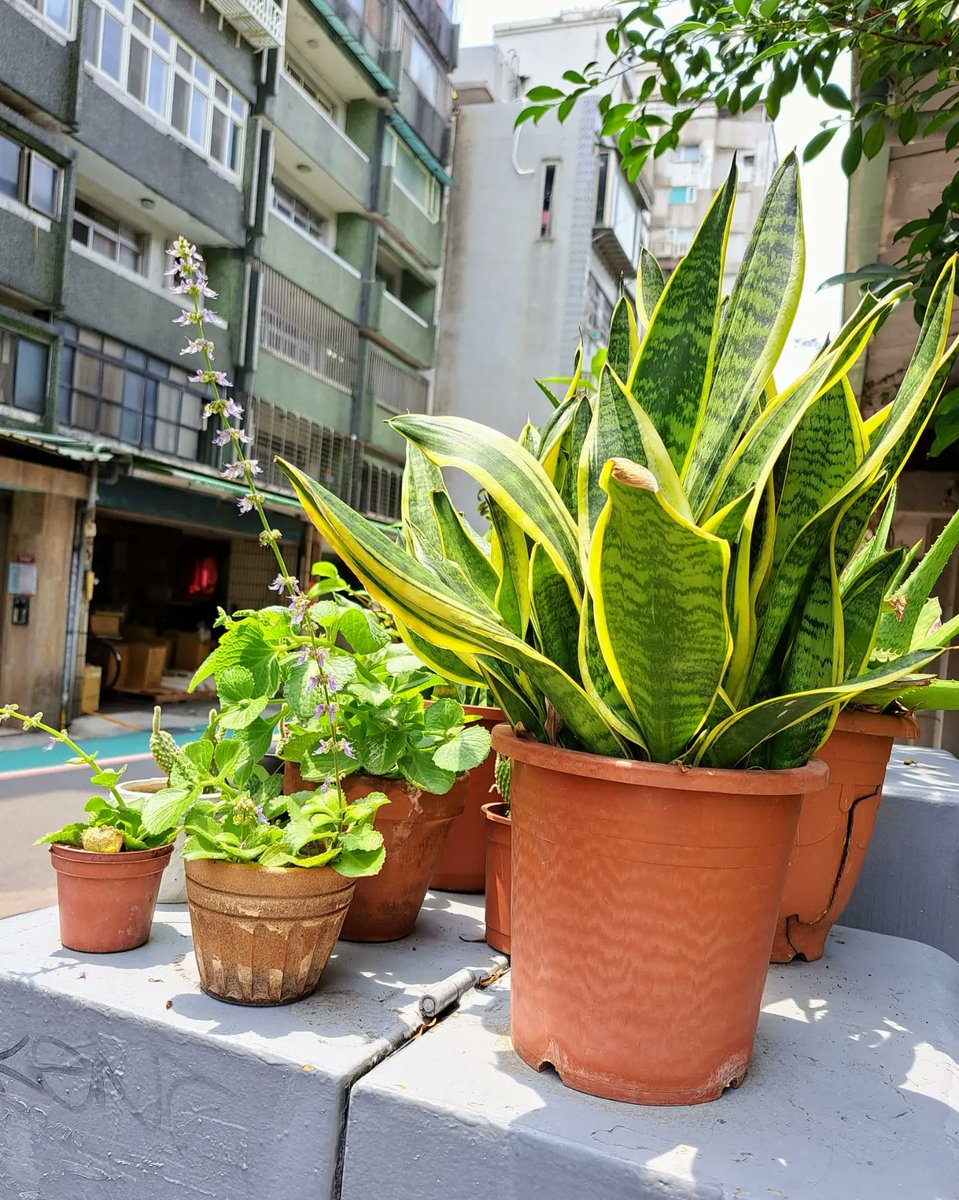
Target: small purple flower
[(332, 686), (223, 437), (312, 683), (245, 504), (304, 652), (233, 409), (253, 466), (261, 815), (234, 471), (322, 657), (278, 584), (347, 748), (298, 606), (50, 744), (199, 346), (217, 377), (320, 711)]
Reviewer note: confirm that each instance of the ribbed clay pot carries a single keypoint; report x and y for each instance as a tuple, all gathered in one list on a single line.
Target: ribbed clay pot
[(498, 875), (263, 935), (107, 900), (835, 829), (643, 908), (173, 882), (462, 864)]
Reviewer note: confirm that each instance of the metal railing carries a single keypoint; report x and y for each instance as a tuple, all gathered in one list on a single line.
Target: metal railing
[(380, 488), (394, 387), (261, 22), (304, 331)]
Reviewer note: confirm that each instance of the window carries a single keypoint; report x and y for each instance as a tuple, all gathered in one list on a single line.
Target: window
[(23, 372), (425, 73), (302, 330), (109, 238), (130, 46), (307, 86), (29, 178), (686, 154), (682, 195), (121, 393), (546, 214), (291, 208), (680, 239), (747, 168), (57, 12), (412, 177), (599, 311), (602, 179)]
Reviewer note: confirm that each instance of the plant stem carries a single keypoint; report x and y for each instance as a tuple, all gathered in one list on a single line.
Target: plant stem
[(60, 735)]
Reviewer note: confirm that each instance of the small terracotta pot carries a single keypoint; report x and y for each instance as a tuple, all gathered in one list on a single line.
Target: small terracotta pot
[(498, 875), (107, 900), (173, 883), (835, 829), (462, 864), (644, 902), (263, 935)]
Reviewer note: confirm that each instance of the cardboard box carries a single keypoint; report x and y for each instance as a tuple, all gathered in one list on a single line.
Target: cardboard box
[(190, 651), (90, 696), (105, 624), (141, 665)]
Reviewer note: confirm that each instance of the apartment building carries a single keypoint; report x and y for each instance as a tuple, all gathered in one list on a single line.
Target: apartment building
[(304, 145)]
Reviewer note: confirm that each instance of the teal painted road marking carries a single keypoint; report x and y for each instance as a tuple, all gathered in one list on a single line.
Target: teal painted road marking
[(121, 745)]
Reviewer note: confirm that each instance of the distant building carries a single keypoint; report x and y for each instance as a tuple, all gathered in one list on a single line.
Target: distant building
[(545, 228), (304, 146)]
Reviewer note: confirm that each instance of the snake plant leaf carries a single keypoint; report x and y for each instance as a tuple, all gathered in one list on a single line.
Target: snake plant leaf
[(651, 284), (945, 635), (510, 558), (510, 475), (555, 616), (424, 604), (660, 615), (619, 428), (862, 610), (568, 479), (553, 435), (732, 742), (755, 326), (599, 683), (897, 631), (623, 338), (462, 546), (459, 669), (940, 695), (420, 479), (873, 548), (672, 375), (529, 439)]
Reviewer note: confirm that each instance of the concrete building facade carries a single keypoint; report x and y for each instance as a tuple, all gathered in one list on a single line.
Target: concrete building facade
[(304, 146)]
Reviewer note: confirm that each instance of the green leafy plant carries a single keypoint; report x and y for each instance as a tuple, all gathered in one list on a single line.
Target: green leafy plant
[(112, 825), (667, 577)]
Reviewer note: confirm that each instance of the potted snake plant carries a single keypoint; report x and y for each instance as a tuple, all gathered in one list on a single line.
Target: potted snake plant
[(662, 620), (836, 824)]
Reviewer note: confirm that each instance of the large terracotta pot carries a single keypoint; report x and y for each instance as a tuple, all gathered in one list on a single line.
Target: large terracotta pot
[(173, 882), (644, 903), (107, 900), (263, 935), (835, 829), (462, 864), (499, 873), (414, 826)]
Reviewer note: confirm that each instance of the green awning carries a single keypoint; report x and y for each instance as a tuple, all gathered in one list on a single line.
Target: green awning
[(354, 45), (419, 148), (216, 484), (67, 447)]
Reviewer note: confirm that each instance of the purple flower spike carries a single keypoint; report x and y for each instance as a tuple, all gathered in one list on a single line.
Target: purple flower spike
[(312, 683), (233, 409), (304, 653), (245, 504), (278, 584)]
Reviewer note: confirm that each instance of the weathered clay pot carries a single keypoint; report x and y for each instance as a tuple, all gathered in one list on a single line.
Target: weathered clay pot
[(173, 882), (462, 864), (835, 829), (644, 902), (107, 900), (263, 935), (498, 875), (414, 826)]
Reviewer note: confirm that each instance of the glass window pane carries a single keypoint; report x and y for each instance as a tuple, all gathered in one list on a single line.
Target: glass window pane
[(81, 233), (238, 104), (233, 156), (87, 373), (181, 103), (91, 33), (184, 58), (161, 38), (202, 74), (112, 382), (9, 168), (111, 47), (141, 20), (198, 118), (58, 11), (102, 244), (130, 423), (220, 92), (129, 258), (30, 379), (188, 443), (43, 185), (137, 70), (156, 95), (218, 147), (190, 412)]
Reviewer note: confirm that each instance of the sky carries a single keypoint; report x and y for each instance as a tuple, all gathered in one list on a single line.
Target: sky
[(823, 183)]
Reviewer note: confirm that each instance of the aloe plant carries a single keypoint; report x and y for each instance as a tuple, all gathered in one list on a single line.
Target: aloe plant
[(676, 569)]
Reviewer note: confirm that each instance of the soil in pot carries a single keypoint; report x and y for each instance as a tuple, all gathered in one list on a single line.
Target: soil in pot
[(644, 902), (835, 829), (498, 875), (462, 863), (107, 901), (263, 935)]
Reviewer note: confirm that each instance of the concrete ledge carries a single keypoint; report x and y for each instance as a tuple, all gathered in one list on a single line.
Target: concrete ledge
[(119, 1078), (909, 885), (853, 1094)]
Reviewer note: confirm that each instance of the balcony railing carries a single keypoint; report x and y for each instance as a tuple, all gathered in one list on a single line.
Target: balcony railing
[(261, 22), (304, 331), (394, 387)]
